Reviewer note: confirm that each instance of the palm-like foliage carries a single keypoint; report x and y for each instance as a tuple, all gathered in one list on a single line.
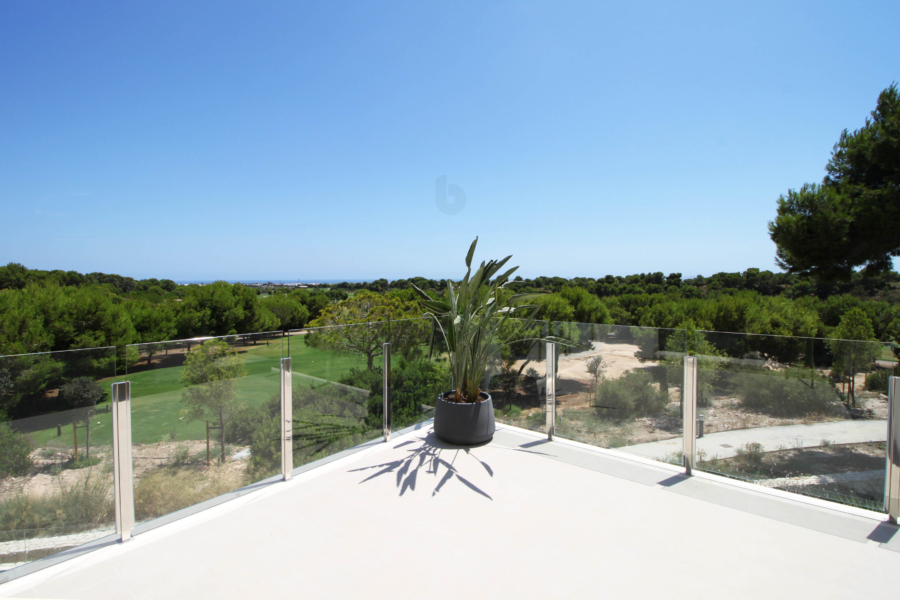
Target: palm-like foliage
[(474, 316)]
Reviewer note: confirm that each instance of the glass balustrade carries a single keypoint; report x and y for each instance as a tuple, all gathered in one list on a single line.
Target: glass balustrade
[(338, 387), (798, 414), (620, 387), (56, 473), (803, 415), (205, 416), (516, 376)]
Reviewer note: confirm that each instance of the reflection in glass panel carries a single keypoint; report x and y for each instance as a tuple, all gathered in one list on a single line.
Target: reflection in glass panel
[(55, 452), (337, 383), (420, 370), (516, 379), (338, 379), (205, 418)]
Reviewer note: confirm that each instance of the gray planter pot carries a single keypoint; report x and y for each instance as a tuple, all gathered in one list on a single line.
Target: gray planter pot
[(464, 424)]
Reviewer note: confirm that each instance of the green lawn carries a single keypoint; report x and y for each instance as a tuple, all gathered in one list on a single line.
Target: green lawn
[(156, 408)]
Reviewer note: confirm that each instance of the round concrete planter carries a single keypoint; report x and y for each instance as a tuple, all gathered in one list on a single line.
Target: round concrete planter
[(464, 424)]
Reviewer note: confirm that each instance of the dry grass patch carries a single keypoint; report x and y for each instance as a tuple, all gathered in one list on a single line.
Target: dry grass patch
[(168, 490)]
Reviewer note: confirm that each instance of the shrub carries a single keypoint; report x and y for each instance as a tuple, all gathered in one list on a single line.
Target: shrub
[(513, 412), (81, 463), (784, 394), (751, 454), (536, 420), (507, 381), (182, 456), (414, 383), (15, 452), (878, 381), (82, 392), (247, 419), (631, 395)]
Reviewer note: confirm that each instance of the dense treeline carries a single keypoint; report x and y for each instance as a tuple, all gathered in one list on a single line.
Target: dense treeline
[(58, 310), (55, 310), (754, 301)]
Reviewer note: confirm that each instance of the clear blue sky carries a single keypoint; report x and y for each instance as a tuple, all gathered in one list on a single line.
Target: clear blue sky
[(283, 140)]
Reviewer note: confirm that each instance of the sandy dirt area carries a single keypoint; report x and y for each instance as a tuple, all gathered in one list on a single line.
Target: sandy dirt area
[(46, 477), (725, 413)]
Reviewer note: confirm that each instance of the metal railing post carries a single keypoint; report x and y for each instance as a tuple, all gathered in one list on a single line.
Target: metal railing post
[(386, 355), (892, 473), (689, 452), (123, 472), (550, 389), (287, 420)]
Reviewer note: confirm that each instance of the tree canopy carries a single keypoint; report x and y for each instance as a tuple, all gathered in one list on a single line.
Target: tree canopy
[(849, 220), (359, 325)]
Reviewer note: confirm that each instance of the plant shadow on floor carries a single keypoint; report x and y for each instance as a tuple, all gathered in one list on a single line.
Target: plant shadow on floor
[(429, 453)]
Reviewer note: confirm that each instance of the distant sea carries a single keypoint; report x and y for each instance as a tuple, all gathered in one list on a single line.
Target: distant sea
[(183, 282)]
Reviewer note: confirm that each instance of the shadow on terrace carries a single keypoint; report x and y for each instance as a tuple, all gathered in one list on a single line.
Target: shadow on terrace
[(429, 455)]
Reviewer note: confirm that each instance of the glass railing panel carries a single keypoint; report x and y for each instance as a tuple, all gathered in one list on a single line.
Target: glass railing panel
[(420, 370), (516, 377), (205, 417), (621, 387), (338, 387), (55, 452), (796, 414)]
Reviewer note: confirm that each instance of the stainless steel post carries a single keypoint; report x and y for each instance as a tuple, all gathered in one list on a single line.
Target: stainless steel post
[(550, 389), (287, 420), (123, 473), (690, 413), (386, 355), (892, 474)]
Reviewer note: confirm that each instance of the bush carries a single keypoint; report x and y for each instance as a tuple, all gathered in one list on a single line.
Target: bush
[(249, 418), (182, 456), (878, 381), (414, 383), (512, 412), (15, 452), (631, 395), (536, 420), (751, 454), (81, 463), (785, 394)]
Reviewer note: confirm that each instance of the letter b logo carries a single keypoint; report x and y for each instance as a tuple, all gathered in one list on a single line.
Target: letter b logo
[(440, 196)]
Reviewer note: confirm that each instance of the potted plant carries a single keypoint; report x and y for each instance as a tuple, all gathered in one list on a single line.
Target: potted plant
[(477, 317)]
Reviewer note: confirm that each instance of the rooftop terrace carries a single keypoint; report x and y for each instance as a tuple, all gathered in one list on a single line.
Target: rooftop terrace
[(644, 463), (521, 517)]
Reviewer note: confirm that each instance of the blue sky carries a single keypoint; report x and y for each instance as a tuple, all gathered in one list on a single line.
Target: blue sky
[(283, 140)]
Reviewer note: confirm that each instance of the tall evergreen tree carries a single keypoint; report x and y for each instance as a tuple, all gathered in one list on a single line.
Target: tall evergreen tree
[(850, 219)]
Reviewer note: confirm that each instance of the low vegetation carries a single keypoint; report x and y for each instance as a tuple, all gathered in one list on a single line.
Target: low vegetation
[(85, 503), (786, 394), (632, 395)]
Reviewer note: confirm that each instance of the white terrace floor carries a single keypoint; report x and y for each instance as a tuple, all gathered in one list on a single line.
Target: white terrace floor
[(518, 518)]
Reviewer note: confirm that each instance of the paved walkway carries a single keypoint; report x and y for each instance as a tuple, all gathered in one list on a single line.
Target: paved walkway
[(724, 444)]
